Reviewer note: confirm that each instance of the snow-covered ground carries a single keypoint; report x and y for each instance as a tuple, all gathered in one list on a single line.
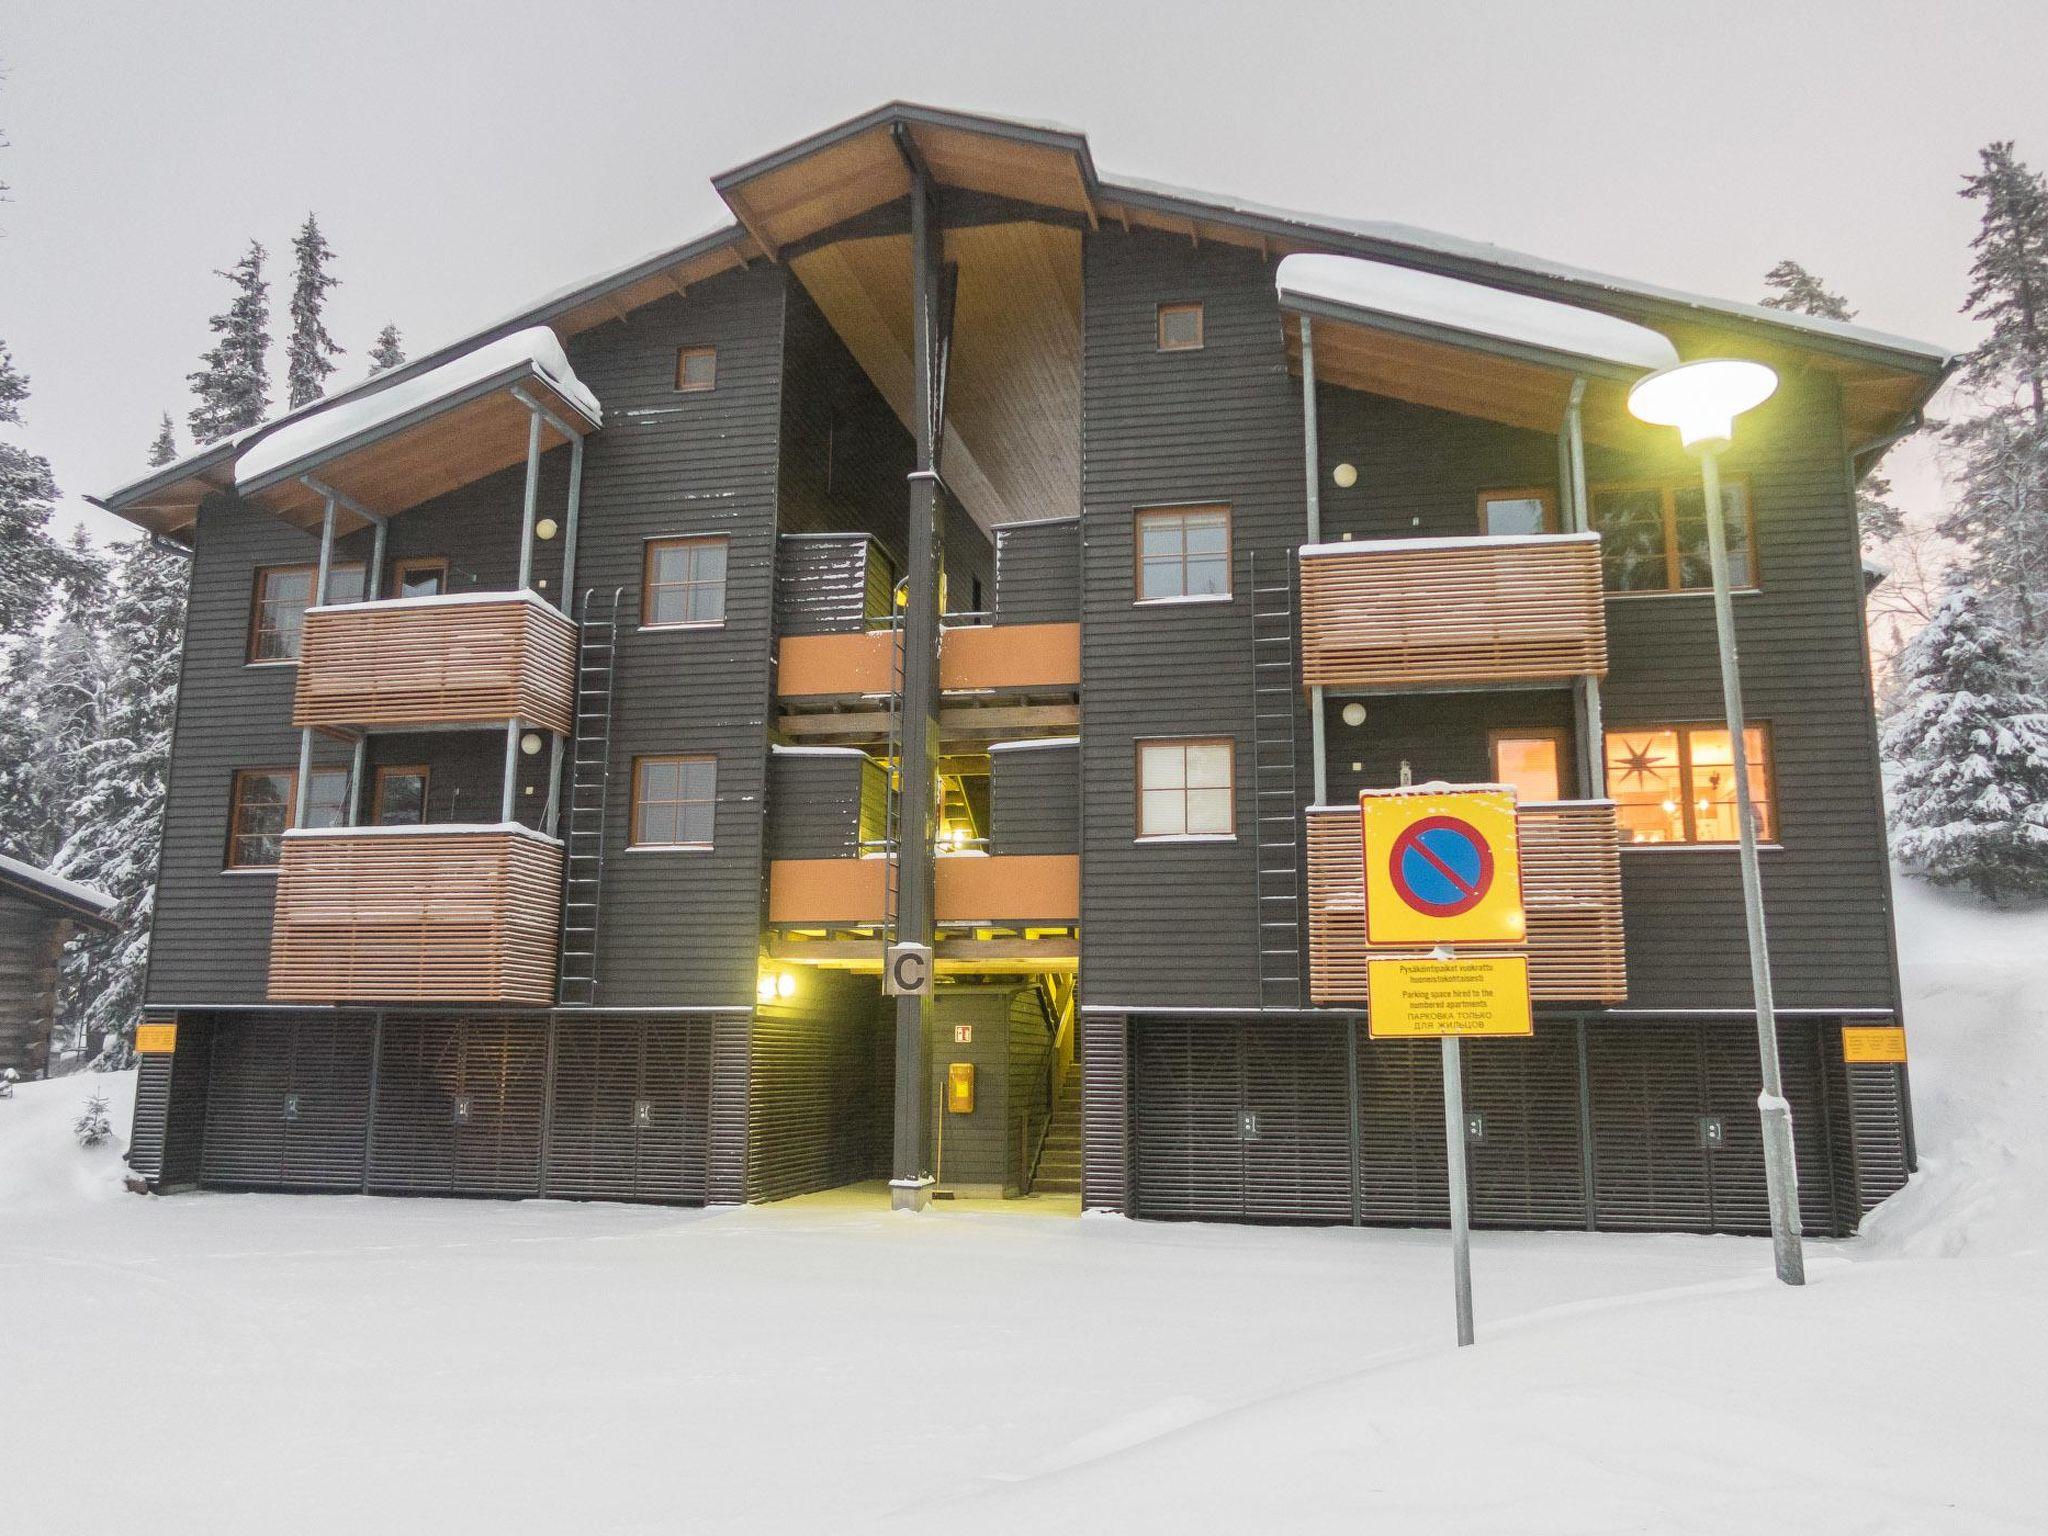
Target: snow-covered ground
[(249, 1363)]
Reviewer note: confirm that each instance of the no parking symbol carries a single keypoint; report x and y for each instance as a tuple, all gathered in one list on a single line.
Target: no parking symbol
[(1442, 866)]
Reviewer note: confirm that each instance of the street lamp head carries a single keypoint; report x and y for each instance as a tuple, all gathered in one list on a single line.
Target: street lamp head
[(1703, 398)]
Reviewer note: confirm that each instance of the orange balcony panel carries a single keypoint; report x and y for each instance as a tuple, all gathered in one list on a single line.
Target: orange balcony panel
[(1010, 657), (1009, 888), (474, 659), (1437, 613), (826, 892), (834, 666), (1571, 887), (435, 914)]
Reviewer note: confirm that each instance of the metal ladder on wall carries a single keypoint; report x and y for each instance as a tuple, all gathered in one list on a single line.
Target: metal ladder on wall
[(1274, 786), (590, 773)]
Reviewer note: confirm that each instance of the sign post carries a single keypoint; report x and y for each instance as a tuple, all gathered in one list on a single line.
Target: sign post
[(1443, 867)]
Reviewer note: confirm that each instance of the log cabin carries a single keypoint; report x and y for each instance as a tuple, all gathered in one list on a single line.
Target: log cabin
[(39, 912), (969, 549)]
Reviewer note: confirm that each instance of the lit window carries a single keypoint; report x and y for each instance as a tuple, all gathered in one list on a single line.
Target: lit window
[(1180, 327), (1676, 783), (260, 811), (1183, 552), (401, 797), (675, 800), (1187, 788), (697, 368), (1532, 761), (283, 594), (1503, 513), (424, 576), (1653, 538), (684, 582)]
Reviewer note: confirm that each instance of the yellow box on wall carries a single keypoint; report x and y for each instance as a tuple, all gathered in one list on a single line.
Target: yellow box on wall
[(156, 1039)]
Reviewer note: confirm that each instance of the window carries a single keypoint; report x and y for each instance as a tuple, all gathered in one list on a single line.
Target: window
[(1187, 788), (421, 576), (283, 594), (674, 801), (401, 796), (262, 805), (1532, 760), (1183, 552), (696, 368), (1676, 783), (1180, 327), (684, 582), (1654, 536), (1517, 512)]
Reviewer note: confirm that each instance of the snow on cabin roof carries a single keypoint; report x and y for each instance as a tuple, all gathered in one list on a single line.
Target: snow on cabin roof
[(54, 891), (1487, 315), (305, 438)]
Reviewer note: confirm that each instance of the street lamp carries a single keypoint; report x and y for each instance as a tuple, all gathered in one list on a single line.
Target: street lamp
[(1702, 399)]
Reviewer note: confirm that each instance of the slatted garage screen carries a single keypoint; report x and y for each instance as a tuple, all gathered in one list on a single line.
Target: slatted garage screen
[(1240, 1121), (287, 1103), (459, 1107), (630, 1119), (1656, 1088)]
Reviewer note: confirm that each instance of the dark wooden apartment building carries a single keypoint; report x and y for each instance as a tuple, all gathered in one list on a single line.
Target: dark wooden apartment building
[(943, 551)]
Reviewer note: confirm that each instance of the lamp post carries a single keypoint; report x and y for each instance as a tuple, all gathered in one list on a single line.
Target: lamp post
[(1702, 399)]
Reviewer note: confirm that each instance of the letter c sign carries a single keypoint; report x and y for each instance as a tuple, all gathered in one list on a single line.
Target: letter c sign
[(907, 970)]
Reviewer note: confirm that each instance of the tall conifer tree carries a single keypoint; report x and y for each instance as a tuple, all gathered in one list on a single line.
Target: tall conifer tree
[(389, 351), (164, 450), (30, 559), (310, 351), (233, 380)]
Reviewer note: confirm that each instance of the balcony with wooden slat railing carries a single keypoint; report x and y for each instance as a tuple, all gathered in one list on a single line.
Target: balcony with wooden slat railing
[(1396, 614), (970, 888), (471, 659), (417, 914), (1571, 890)]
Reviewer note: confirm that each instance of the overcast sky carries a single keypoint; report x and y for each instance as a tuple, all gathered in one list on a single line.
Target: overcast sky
[(465, 158)]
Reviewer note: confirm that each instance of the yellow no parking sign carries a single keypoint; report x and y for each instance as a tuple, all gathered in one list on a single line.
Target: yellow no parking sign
[(1442, 866)]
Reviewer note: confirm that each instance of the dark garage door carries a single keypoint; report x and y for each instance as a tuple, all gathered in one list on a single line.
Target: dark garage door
[(287, 1103), (631, 1113), (1240, 1121), (459, 1107)]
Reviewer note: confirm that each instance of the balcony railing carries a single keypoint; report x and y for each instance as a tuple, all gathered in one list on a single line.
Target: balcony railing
[(1000, 889), (1452, 613), (441, 914), (1571, 888), (973, 658), (471, 659)]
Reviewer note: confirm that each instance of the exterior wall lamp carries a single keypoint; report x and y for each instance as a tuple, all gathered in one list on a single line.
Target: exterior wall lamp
[(1702, 399)]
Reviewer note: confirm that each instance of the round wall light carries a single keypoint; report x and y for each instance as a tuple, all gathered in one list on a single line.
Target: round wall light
[(530, 743), (1354, 714), (1346, 475), (546, 529)]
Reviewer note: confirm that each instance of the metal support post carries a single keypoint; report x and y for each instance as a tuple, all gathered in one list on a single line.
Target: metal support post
[(302, 798), (1461, 1214), (1781, 1169), (358, 764), (508, 800), (569, 520), (373, 578), (532, 499), (1577, 518), (553, 818)]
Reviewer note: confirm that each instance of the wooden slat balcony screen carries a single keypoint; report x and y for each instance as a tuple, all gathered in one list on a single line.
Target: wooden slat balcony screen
[(973, 658), (469, 659), (1571, 887), (1427, 613), (416, 914)]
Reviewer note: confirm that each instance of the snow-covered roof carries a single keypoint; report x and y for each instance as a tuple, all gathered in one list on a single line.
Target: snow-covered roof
[(1352, 286), (306, 438), (54, 891), (1448, 541), (1035, 744)]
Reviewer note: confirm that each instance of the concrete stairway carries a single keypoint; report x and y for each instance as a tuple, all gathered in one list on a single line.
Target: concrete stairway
[(1059, 1166)]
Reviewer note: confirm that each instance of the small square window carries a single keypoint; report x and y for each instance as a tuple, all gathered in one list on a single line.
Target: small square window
[(283, 594), (1187, 788), (262, 807), (1532, 760), (1510, 513), (697, 368), (401, 796), (684, 582), (675, 801), (1182, 552), (1180, 327)]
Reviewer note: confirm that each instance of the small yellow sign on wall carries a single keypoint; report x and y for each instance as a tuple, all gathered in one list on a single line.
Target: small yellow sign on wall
[(156, 1039), (1423, 998), (1442, 866), (1881, 1043)]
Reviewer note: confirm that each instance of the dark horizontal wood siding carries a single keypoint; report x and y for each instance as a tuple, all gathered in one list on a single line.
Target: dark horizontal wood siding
[(819, 1087), (1166, 924), (1038, 573), (814, 804), (680, 929), (1035, 799)]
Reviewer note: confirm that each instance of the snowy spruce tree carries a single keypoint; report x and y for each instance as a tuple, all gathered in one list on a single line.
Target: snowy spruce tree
[(388, 352), (233, 380), (1970, 803), (309, 351), (1797, 291), (164, 450), (31, 561), (2000, 515)]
